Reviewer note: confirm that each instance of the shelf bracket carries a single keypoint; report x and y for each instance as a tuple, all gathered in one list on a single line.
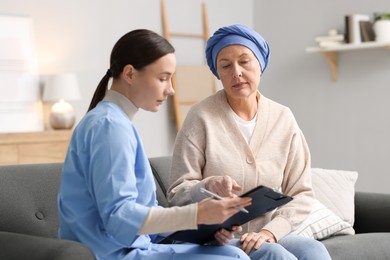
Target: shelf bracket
[(332, 58)]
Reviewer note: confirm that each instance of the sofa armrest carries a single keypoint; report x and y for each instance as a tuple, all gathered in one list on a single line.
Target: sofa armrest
[(372, 212), (21, 246)]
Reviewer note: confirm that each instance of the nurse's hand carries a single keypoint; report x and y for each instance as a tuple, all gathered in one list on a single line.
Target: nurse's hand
[(222, 185), (223, 236), (212, 211)]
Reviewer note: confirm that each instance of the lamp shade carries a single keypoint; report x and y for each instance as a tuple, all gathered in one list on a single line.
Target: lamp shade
[(61, 86)]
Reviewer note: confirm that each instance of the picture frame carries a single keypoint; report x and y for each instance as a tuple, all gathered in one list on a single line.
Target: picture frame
[(20, 102)]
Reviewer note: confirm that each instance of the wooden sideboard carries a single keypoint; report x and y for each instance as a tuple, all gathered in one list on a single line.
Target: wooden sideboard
[(34, 147)]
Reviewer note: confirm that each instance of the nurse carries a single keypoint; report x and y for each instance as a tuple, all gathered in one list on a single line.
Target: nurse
[(107, 198)]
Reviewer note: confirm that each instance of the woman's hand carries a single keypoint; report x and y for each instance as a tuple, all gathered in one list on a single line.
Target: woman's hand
[(254, 240), (223, 236), (212, 211), (222, 185)]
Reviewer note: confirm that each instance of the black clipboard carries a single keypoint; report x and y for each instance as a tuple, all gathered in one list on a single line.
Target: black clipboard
[(264, 199)]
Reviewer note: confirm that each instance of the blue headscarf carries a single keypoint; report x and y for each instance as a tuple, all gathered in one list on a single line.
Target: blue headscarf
[(236, 34)]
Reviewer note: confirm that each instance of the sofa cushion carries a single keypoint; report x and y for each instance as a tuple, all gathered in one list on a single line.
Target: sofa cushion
[(21, 246), (372, 246), (33, 207)]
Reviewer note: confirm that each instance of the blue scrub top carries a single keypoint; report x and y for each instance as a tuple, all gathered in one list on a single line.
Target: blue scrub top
[(100, 203)]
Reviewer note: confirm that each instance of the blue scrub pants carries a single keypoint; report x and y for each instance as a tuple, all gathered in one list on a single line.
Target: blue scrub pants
[(291, 247), (187, 252)]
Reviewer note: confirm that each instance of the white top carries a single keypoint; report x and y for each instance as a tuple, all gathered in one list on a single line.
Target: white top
[(246, 127)]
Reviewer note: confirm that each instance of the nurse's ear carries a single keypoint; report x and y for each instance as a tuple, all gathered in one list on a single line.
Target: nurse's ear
[(127, 73)]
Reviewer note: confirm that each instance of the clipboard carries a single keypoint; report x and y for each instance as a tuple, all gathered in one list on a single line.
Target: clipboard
[(264, 199)]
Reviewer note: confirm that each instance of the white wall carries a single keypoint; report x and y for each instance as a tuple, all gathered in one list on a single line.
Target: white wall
[(347, 122), (77, 36)]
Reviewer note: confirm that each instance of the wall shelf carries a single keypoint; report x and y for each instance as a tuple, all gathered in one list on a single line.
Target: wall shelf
[(331, 53)]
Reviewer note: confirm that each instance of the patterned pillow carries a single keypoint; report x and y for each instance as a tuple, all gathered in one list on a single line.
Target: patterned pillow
[(334, 209), (323, 223), (336, 190)]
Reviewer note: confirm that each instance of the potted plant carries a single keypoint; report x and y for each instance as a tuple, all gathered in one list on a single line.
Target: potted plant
[(382, 27)]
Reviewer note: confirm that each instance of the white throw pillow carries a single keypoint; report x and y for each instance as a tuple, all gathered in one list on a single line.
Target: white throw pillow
[(334, 207), (323, 223), (336, 190)]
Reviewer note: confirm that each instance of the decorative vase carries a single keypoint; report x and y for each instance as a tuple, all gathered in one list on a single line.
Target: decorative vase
[(382, 30), (62, 115)]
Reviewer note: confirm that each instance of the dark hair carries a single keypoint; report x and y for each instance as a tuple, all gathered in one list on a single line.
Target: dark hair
[(138, 48)]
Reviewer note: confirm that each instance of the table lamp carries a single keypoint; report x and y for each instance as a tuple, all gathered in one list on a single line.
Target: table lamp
[(61, 88)]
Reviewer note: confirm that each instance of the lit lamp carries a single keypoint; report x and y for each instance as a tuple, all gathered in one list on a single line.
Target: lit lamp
[(61, 88)]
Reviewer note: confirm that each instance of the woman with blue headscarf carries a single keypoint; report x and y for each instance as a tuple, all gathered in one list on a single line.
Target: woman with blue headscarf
[(238, 139)]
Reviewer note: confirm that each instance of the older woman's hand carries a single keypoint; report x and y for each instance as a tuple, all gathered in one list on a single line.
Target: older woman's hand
[(253, 241), (222, 185)]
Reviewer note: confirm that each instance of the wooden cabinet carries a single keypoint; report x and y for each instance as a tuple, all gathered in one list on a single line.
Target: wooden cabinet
[(34, 147)]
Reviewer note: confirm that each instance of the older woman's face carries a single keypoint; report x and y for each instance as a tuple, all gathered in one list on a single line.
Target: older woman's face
[(239, 71)]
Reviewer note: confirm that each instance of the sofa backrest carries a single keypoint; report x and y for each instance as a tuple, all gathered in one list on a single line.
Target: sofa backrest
[(161, 167), (28, 198), (28, 195)]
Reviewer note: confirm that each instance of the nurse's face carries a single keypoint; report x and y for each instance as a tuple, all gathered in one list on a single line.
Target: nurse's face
[(239, 71), (153, 83)]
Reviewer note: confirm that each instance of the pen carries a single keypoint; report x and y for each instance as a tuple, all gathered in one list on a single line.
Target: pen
[(217, 197)]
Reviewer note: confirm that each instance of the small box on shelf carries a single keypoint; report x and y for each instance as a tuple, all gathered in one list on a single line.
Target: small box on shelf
[(333, 38)]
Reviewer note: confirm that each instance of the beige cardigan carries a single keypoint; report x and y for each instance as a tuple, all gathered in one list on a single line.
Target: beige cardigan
[(210, 143)]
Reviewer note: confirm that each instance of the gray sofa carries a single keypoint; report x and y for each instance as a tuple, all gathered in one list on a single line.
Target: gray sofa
[(28, 217)]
